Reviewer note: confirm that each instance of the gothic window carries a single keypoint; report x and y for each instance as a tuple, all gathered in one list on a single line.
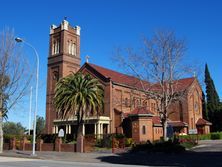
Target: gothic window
[(55, 76), (69, 47), (145, 103), (137, 102), (196, 107), (152, 106), (73, 49), (126, 102), (55, 47), (134, 102)]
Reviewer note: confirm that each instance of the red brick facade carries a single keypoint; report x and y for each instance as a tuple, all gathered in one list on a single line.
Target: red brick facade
[(123, 95)]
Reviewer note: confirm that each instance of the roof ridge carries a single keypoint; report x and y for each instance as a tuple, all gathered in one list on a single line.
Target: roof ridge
[(115, 71), (129, 80), (132, 75)]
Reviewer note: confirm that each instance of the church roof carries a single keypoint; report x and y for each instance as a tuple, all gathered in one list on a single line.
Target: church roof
[(202, 122), (120, 78), (132, 81), (156, 121), (140, 111), (177, 123)]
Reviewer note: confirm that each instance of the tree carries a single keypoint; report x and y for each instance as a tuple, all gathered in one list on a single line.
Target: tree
[(13, 128), (78, 95), (159, 67), (40, 125), (213, 101), (15, 76), (204, 107)]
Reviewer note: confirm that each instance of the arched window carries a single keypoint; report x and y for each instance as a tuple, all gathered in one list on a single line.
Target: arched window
[(126, 102), (57, 47), (137, 102), (54, 47), (55, 75), (70, 47), (74, 49), (134, 102), (144, 103)]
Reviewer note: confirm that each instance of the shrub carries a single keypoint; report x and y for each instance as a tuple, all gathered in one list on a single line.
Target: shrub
[(119, 136), (205, 137), (48, 138), (7, 137), (215, 136), (166, 147), (128, 142), (143, 147), (188, 144), (106, 141)]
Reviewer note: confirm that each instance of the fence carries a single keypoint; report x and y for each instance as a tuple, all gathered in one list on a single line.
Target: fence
[(25, 145), (114, 142)]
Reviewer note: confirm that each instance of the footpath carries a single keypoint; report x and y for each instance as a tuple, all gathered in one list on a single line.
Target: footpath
[(59, 156)]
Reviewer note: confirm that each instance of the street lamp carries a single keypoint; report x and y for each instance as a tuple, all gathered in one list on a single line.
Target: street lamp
[(36, 93)]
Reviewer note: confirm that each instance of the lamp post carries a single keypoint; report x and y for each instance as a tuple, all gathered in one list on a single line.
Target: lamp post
[(19, 40), (30, 109)]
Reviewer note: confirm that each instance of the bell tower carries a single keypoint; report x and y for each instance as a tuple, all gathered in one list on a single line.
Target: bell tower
[(63, 59)]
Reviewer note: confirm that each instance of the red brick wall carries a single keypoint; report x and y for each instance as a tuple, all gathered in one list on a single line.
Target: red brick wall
[(157, 133), (47, 147), (28, 146), (147, 123), (68, 147), (137, 129)]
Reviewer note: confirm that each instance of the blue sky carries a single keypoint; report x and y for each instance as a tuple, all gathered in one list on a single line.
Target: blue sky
[(106, 25)]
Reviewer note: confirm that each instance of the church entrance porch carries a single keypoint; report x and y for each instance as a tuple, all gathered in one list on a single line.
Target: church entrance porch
[(91, 126)]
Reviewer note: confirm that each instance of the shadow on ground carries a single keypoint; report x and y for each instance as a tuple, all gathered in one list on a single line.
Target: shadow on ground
[(186, 159)]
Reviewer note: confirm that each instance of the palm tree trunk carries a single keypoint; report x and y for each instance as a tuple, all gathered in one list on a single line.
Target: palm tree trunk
[(79, 130)]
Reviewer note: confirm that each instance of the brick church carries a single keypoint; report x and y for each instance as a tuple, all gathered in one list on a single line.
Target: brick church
[(126, 108)]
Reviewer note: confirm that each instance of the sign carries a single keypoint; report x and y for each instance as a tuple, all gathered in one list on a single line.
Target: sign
[(61, 133), (192, 131)]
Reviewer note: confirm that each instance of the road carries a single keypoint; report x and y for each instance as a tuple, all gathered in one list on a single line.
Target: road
[(208, 153), (27, 162), (209, 146)]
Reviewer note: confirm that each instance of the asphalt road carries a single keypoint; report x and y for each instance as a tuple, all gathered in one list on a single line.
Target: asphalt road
[(207, 153), (209, 146), (26, 162)]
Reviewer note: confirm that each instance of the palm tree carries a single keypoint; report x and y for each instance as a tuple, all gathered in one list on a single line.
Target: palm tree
[(78, 95)]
